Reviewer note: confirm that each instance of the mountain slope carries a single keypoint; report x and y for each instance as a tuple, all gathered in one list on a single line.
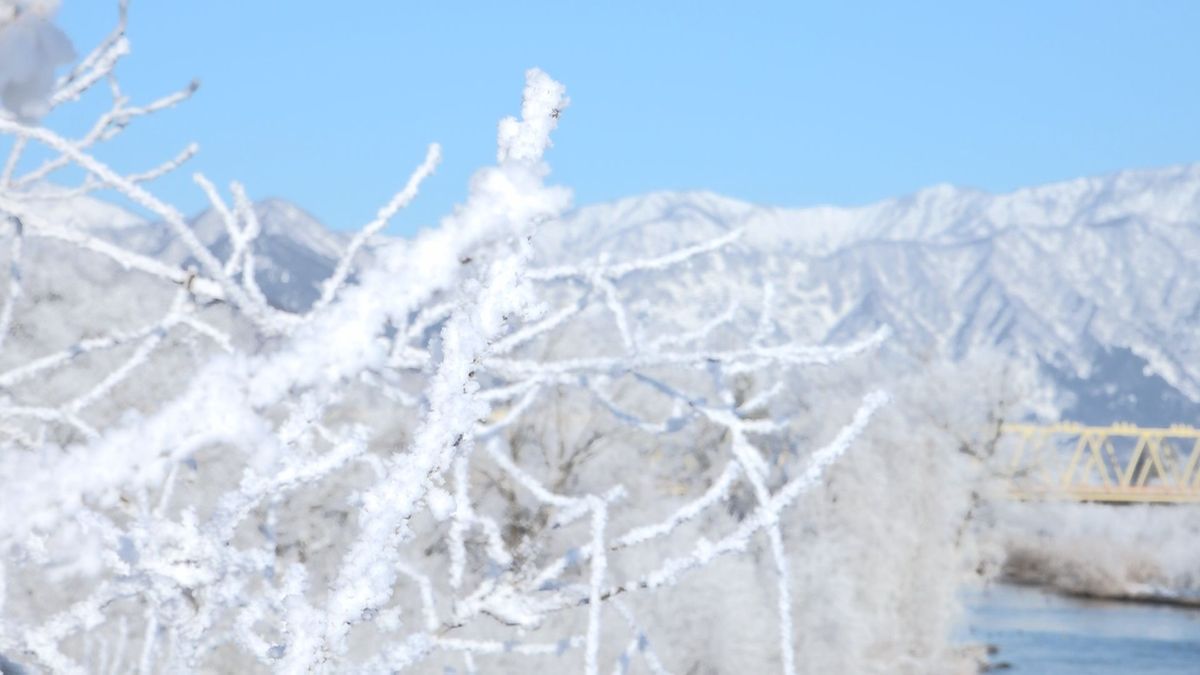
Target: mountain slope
[(1091, 278), (1094, 279)]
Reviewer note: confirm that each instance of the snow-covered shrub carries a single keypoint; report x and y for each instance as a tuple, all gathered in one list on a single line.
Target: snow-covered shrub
[(460, 456), (1130, 552)]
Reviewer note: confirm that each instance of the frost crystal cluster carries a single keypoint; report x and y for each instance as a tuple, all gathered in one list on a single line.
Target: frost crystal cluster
[(459, 456)]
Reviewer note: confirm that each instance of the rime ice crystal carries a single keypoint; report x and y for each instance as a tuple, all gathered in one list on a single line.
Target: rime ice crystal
[(361, 472)]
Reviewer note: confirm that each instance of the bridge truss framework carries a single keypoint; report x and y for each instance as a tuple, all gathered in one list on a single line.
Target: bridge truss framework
[(1117, 463)]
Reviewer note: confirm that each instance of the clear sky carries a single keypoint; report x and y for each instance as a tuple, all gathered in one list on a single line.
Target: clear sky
[(330, 104)]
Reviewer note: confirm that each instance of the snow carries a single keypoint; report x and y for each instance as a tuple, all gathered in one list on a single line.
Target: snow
[(31, 48), (650, 433), (822, 283), (1057, 273)]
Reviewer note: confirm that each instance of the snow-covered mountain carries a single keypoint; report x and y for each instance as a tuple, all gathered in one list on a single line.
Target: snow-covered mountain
[(1093, 279), (294, 252)]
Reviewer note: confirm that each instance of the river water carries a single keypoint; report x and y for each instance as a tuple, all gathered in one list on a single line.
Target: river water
[(1038, 632)]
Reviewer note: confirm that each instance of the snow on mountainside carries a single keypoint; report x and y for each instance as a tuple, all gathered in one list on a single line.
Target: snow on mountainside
[(294, 252), (80, 212), (941, 214), (1094, 279)]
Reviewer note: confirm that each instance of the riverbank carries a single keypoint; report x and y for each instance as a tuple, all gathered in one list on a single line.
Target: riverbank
[(1143, 552)]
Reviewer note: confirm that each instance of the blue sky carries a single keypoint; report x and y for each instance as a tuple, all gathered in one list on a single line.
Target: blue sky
[(330, 105)]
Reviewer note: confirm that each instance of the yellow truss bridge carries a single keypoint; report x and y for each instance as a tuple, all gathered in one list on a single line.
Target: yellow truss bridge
[(1118, 463)]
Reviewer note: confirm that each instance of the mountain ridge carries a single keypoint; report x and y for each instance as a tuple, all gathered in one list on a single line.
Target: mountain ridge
[(968, 206), (1089, 278)]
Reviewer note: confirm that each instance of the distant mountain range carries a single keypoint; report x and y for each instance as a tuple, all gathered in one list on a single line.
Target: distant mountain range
[(1096, 279)]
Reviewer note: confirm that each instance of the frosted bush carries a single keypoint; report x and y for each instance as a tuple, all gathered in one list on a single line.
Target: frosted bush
[(1140, 552), (460, 457)]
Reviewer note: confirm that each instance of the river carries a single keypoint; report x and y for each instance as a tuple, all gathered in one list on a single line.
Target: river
[(1047, 634)]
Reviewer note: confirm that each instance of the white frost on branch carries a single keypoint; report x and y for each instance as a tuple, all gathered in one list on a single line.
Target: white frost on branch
[(456, 537)]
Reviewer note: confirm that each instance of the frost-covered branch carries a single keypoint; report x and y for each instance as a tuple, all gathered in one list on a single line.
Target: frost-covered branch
[(402, 199), (455, 455)]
